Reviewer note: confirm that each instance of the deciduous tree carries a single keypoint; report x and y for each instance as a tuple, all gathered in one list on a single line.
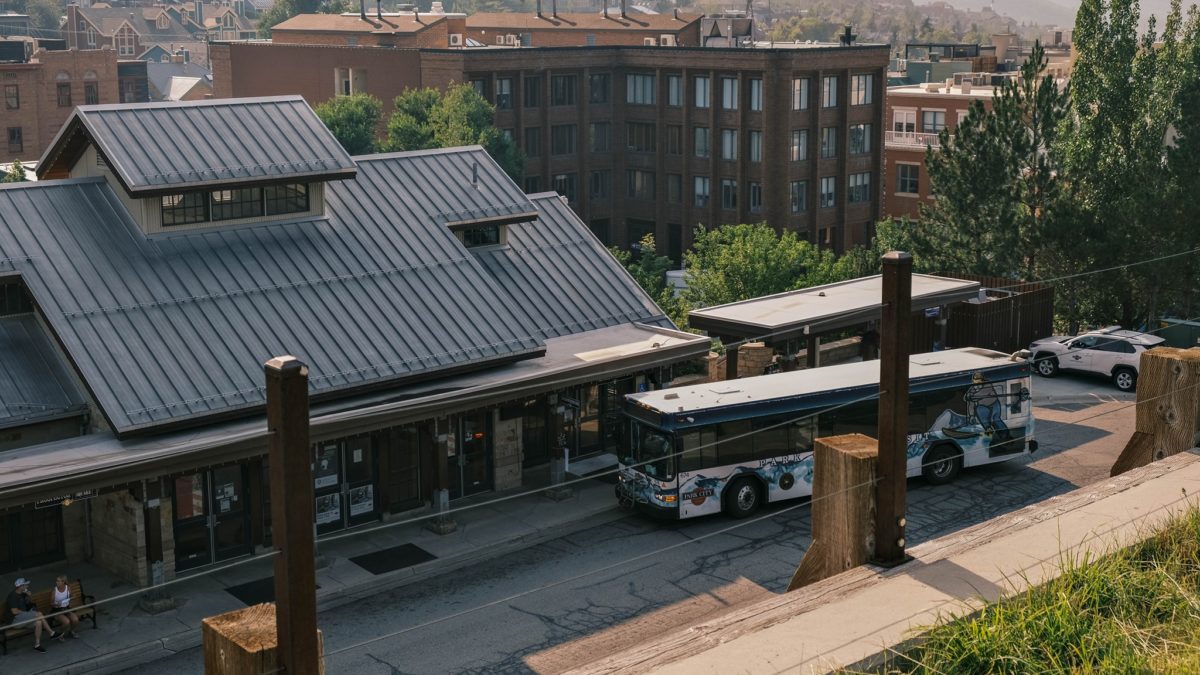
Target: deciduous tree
[(352, 120)]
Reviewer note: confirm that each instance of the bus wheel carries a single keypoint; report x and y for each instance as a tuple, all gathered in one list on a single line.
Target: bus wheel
[(941, 464), (742, 498)]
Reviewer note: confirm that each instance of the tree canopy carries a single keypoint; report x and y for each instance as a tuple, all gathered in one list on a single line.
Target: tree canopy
[(352, 120), (15, 173)]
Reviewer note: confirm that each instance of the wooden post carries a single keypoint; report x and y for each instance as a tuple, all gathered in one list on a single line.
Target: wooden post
[(1168, 409), (243, 642), (894, 342), (843, 507), (813, 352), (292, 515), (731, 358), (442, 523)]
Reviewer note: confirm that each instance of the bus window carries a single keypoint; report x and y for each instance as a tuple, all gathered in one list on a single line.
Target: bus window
[(735, 442), (801, 434), (770, 437), (652, 452), (1015, 398), (699, 450)]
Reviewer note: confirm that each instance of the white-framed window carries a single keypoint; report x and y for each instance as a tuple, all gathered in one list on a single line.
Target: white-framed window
[(564, 184), (504, 87), (799, 196), (729, 93), (674, 90), (728, 194), (701, 190), (756, 94), (754, 140), (799, 148), (126, 41), (729, 144), (226, 21), (861, 87), (904, 121), (860, 139), (828, 192), (858, 188), (908, 179), (639, 89), (754, 196), (799, 93), (829, 94), (700, 142), (933, 121), (700, 86), (828, 142), (347, 81), (90, 33)]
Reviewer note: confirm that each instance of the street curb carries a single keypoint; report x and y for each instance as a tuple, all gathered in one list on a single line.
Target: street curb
[(331, 598)]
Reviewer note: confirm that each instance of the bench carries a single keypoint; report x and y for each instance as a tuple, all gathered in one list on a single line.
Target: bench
[(81, 604)]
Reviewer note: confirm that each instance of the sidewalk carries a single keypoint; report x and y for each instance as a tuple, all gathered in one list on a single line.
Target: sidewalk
[(128, 635)]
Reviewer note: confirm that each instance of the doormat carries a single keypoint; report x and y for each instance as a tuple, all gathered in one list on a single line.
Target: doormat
[(394, 558), (255, 592)]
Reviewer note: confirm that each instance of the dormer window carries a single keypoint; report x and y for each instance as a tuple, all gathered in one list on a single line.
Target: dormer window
[(485, 235), (189, 208), (184, 209), (164, 22), (281, 199)]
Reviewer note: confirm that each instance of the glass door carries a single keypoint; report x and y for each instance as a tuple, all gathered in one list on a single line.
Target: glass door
[(192, 545), (231, 515), (474, 459), (327, 487), (359, 487)]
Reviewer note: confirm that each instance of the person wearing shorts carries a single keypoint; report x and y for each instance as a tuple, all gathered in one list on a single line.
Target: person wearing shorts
[(21, 610)]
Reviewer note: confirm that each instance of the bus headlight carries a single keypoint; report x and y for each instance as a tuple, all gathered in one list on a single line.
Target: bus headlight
[(668, 499)]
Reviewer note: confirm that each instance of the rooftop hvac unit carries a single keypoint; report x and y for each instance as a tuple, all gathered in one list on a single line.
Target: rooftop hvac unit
[(649, 42), (666, 40), (456, 39)]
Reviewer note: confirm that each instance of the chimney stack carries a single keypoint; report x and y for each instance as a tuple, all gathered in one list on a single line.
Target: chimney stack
[(362, 9), (416, 15), (554, 8), (605, 8), (677, 14), (538, 11), (622, 9), (379, 9)]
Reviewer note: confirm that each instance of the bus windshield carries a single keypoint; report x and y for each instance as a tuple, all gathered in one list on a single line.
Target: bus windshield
[(652, 452)]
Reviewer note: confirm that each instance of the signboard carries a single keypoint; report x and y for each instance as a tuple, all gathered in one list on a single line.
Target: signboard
[(362, 500), (933, 312), (329, 509), (64, 500)]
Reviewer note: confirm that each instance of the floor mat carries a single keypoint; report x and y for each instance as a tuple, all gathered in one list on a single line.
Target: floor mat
[(394, 558), (255, 592)]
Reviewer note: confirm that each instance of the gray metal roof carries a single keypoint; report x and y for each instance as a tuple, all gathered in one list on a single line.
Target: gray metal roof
[(540, 255), (170, 145), (172, 328), (34, 383)]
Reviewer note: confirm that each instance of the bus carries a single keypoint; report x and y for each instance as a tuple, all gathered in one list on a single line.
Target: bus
[(734, 445)]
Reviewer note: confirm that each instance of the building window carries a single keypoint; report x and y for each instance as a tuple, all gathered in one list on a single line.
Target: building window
[(164, 22), (599, 136), (533, 141), (485, 235), (729, 93), (16, 141), (12, 97), (754, 190), (728, 194), (601, 185), (640, 184), (281, 199), (674, 90), (861, 89), (908, 179), (91, 93), (480, 86), (562, 139), (829, 86), (564, 184), (562, 90), (729, 144), (700, 143), (860, 139), (184, 209), (799, 196), (639, 89), (800, 93), (859, 188), (507, 134), (126, 41), (504, 93), (533, 184), (756, 95), (533, 92), (703, 95), (674, 188), (904, 121), (599, 88), (674, 139), (91, 37), (237, 203), (799, 150), (641, 137), (828, 142), (700, 186), (348, 81), (828, 192), (64, 94), (754, 140), (933, 121)]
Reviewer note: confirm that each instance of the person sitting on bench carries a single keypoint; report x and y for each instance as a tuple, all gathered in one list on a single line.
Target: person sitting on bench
[(60, 605), (23, 610)]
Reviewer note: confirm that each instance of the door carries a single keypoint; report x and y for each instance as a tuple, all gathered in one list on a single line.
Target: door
[(230, 514), (474, 459), (535, 441), (327, 487), (1079, 354), (192, 537), (31, 537), (359, 484)]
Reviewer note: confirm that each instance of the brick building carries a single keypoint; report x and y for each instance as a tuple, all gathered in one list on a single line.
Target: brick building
[(642, 139)]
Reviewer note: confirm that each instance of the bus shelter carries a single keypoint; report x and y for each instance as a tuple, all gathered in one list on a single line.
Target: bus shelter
[(807, 314)]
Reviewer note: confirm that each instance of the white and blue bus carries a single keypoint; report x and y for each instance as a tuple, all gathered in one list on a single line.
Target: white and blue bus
[(733, 445)]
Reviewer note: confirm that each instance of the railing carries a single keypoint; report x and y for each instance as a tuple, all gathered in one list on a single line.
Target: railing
[(911, 139)]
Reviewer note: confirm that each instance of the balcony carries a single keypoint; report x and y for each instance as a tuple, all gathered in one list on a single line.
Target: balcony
[(910, 140)]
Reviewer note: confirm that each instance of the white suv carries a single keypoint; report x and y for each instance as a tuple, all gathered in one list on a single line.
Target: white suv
[(1111, 352)]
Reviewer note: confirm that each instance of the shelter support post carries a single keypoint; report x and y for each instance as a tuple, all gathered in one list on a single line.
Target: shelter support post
[(1168, 409), (895, 342), (731, 357), (813, 352), (442, 523)]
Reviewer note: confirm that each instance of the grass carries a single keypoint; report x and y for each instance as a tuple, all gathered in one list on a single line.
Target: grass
[(1134, 611)]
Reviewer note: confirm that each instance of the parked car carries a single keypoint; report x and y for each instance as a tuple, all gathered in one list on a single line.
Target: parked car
[(1111, 352)]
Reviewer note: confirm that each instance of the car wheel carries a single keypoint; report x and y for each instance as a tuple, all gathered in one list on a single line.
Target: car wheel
[(1125, 379), (742, 498), (1047, 365), (941, 464)]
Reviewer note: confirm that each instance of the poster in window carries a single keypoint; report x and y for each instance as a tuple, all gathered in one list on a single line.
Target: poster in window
[(362, 500), (329, 509), (325, 471)]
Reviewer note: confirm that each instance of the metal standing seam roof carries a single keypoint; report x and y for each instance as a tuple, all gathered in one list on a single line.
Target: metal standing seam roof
[(563, 279), (34, 384), (170, 145), (171, 328)]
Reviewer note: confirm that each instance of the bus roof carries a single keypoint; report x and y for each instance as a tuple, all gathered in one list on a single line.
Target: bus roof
[(749, 390)]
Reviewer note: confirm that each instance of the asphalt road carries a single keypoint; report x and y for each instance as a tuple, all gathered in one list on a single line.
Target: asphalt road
[(576, 602)]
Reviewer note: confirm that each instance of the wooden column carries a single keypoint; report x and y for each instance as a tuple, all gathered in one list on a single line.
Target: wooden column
[(843, 507), (731, 358), (895, 342), (1168, 409), (812, 352), (244, 642), (442, 523)]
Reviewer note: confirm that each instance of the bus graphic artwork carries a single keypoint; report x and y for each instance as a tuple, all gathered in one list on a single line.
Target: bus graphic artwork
[(732, 446)]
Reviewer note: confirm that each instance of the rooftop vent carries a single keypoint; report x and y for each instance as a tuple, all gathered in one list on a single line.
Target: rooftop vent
[(847, 37)]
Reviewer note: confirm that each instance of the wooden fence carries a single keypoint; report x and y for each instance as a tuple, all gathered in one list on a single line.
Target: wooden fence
[(1014, 315)]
